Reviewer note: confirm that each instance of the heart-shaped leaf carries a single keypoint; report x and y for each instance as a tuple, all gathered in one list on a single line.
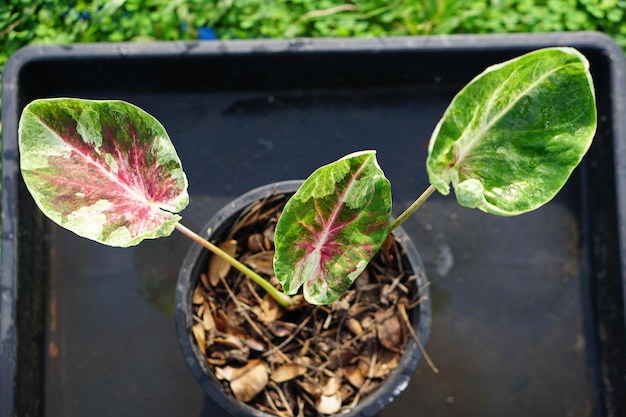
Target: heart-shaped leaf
[(511, 138), (105, 170), (332, 226)]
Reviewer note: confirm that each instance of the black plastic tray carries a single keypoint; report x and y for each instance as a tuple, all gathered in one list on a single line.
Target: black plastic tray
[(528, 313)]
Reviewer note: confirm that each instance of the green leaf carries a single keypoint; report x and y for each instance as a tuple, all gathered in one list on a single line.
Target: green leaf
[(332, 227), (511, 138), (105, 170)]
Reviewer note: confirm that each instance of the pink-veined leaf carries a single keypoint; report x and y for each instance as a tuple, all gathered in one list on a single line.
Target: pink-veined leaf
[(332, 227), (105, 170)]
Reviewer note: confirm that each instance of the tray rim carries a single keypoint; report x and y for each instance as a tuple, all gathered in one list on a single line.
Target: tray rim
[(170, 49)]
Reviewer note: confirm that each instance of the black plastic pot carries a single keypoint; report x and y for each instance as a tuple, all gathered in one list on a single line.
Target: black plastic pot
[(196, 262)]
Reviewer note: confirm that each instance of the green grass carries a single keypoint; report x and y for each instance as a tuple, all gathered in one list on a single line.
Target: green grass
[(26, 22)]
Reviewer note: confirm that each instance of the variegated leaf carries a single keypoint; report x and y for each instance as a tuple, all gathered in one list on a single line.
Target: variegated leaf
[(105, 170), (511, 138), (330, 229)]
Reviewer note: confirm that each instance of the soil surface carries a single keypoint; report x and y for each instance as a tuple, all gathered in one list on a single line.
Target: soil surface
[(307, 360)]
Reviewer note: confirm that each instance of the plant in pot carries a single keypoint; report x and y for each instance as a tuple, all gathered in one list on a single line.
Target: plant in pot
[(107, 171)]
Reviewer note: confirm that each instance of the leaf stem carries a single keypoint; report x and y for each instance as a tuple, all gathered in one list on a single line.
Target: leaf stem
[(282, 299), (416, 204)]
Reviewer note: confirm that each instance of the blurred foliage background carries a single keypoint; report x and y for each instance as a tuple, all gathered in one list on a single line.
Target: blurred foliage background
[(26, 22)]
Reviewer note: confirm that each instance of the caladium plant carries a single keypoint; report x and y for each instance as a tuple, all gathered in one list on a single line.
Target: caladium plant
[(108, 171), (508, 142)]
